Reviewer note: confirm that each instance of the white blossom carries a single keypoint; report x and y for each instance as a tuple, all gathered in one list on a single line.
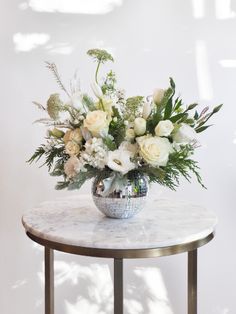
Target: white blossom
[(95, 153)]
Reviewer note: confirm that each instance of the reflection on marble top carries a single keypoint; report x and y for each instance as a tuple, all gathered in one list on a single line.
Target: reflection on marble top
[(76, 221)]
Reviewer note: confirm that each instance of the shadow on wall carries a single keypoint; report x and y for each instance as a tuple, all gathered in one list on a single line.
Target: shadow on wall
[(91, 289)]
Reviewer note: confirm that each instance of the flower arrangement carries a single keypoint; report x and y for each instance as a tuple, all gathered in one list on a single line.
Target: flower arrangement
[(110, 134)]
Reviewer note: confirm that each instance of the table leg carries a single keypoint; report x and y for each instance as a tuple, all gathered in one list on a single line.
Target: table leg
[(118, 286), (192, 282), (49, 280)]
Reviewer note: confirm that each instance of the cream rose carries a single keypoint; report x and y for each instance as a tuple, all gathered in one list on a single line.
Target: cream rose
[(73, 135), (164, 128), (72, 148), (154, 150), (96, 122), (158, 95), (140, 126), (185, 134)]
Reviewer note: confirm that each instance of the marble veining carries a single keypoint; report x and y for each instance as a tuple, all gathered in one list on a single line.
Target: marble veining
[(76, 221)]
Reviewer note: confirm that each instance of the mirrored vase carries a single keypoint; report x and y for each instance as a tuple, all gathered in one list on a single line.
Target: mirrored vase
[(120, 197)]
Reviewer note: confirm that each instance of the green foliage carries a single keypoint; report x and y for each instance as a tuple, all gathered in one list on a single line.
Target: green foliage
[(80, 179), (117, 128), (88, 102), (108, 86), (152, 122), (62, 185), (50, 155), (204, 118), (40, 151), (100, 55), (180, 164), (111, 145), (53, 68)]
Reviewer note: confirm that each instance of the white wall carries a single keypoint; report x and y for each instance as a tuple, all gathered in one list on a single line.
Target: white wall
[(193, 41)]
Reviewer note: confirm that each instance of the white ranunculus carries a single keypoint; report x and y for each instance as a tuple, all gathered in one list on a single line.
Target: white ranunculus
[(154, 150), (97, 90), (158, 95), (96, 122), (164, 128), (147, 108), (119, 160), (140, 126), (185, 134)]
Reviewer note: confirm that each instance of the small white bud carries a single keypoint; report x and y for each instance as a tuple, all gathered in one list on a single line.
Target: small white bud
[(139, 126), (158, 95)]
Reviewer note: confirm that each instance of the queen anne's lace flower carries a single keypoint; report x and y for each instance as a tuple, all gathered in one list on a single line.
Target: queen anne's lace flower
[(54, 106)]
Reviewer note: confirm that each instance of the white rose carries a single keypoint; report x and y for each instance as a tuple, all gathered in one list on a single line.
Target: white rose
[(158, 95), (164, 128), (140, 126), (185, 134), (119, 160), (72, 148), (72, 166), (97, 90), (96, 122), (154, 150), (147, 108)]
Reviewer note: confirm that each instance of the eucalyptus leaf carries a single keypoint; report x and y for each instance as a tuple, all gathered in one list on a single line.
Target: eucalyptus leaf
[(203, 128), (178, 117)]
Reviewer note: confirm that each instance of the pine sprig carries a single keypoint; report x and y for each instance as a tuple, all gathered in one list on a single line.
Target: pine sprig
[(40, 151), (53, 68), (50, 155), (180, 164)]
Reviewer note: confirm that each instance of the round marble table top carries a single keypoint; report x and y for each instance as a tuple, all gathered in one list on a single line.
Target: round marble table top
[(76, 221)]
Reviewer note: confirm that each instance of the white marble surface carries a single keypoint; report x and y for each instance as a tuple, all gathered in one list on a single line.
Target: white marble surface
[(76, 221)]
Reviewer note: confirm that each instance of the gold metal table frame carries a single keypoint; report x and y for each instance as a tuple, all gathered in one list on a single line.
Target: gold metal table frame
[(118, 255)]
